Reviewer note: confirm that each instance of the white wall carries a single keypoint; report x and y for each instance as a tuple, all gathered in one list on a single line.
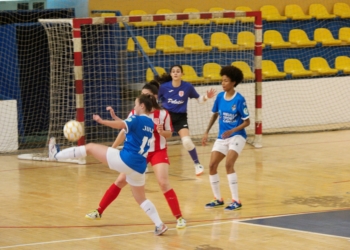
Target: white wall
[(287, 105)]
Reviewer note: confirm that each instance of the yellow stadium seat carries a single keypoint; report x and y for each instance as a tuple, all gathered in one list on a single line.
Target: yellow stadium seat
[(168, 22), (295, 12), (246, 40), (211, 72), (190, 75), (300, 38), (195, 21), (342, 10), (270, 70), (244, 19), (325, 37), (144, 44), (270, 13), (221, 20), (168, 45), (150, 75), (296, 68), (275, 39), (222, 42), (319, 11), (107, 14), (195, 43), (247, 72), (344, 34), (343, 63), (320, 66), (141, 24)]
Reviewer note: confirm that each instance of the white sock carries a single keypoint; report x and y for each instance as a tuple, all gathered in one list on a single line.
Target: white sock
[(69, 153), (151, 211), (232, 182), (215, 185)]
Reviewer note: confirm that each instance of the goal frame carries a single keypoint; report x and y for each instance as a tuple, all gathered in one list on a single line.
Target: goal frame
[(77, 23)]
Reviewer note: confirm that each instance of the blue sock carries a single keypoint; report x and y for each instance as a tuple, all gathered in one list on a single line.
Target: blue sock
[(194, 156)]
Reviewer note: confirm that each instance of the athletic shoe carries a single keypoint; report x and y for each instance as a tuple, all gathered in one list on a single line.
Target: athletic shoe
[(161, 229), (181, 223), (215, 204), (53, 149), (199, 169), (234, 206), (94, 215)]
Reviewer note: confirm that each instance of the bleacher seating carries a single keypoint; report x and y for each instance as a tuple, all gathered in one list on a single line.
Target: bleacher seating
[(270, 70), (325, 37), (190, 75), (195, 43), (275, 39), (150, 75), (141, 24), (222, 42), (211, 72), (344, 34), (294, 12), (295, 68), (244, 19), (168, 22), (270, 13), (247, 72), (144, 44), (343, 63), (319, 11), (195, 21), (342, 10), (246, 40), (300, 38), (221, 20), (320, 66), (168, 45)]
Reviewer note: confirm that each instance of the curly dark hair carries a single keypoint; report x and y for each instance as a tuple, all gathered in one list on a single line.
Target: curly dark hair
[(232, 72)]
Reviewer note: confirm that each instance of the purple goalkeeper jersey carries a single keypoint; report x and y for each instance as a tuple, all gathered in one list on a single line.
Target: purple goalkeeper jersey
[(175, 99)]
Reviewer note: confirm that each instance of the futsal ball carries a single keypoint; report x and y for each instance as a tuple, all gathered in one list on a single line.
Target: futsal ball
[(73, 130)]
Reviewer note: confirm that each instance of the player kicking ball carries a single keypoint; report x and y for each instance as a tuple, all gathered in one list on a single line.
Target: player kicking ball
[(231, 108)]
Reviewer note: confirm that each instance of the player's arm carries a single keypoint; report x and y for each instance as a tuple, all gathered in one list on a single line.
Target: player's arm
[(120, 139), (211, 123), (120, 124), (210, 94), (227, 133), (112, 113)]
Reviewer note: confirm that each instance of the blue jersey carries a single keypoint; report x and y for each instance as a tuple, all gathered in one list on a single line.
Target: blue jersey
[(231, 113), (175, 99), (139, 130)]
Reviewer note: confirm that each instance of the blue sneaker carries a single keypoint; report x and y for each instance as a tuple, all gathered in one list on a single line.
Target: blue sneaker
[(234, 206), (215, 204)]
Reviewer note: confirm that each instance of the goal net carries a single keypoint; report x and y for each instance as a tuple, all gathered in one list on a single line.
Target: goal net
[(100, 62)]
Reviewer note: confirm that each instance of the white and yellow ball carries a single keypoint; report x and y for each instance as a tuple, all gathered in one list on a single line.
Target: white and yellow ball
[(73, 130)]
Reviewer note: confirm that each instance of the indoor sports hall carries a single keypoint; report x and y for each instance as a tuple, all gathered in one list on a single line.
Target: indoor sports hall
[(68, 60)]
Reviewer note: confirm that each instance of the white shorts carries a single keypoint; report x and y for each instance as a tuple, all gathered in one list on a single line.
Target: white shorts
[(235, 143), (116, 163)]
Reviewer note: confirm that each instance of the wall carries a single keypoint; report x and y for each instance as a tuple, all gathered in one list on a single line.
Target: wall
[(81, 6), (151, 6)]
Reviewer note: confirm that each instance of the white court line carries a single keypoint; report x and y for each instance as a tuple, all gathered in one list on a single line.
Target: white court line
[(101, 237)]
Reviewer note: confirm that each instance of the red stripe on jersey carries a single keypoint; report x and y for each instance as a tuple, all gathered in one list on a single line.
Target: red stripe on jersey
[(156, 121)]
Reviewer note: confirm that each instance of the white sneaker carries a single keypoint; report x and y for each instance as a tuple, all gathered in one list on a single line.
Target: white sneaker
[(199, 169), (53, 149), (181, 223), (161, 229), (93, 215)]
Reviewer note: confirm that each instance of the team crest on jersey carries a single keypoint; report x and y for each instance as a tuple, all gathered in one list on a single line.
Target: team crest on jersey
[(181, 93), (233, 107)]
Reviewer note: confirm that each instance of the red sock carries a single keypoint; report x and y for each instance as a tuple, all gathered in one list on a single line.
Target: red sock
[(173, 203), (110, 195)]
